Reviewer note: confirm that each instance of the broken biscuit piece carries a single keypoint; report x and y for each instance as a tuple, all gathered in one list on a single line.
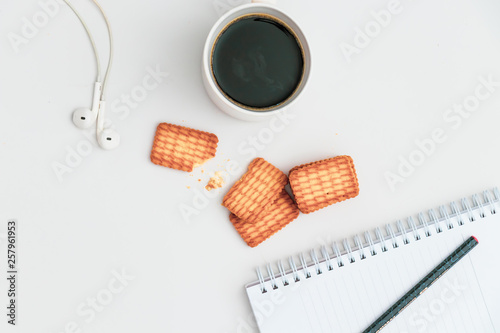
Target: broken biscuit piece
[(182, 148)]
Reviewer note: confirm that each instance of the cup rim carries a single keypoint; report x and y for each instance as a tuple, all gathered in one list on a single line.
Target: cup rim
[(207, 52)]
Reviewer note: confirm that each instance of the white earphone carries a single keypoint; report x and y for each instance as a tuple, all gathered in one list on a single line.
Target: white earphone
[(106, 137), (84, 117)]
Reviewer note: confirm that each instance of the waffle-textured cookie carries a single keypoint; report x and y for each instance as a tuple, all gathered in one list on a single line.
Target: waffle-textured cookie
[(182, 148), (281, 212), (319, 184), (255, 191)]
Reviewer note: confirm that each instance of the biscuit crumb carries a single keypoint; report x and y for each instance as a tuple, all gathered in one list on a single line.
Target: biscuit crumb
[(215, 182)]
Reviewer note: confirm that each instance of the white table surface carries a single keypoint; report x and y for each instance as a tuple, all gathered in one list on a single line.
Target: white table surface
[(117, 211)]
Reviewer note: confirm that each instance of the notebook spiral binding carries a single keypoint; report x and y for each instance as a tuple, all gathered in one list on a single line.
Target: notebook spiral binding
[(450, 216)]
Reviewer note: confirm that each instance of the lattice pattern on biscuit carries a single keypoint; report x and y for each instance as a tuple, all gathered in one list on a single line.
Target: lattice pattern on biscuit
[(301, 166), (255, 191), (319, 184), (182, 148), (279, 214)]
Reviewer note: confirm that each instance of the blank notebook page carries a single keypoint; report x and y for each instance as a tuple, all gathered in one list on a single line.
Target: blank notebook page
[(349, 297)]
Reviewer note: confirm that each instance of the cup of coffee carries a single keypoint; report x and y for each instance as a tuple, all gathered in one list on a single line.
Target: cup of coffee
[(256, 62)]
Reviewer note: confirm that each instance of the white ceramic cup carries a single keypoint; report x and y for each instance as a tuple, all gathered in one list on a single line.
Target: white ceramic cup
[(213, 90)]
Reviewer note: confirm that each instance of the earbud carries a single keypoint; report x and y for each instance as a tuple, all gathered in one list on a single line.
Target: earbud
[(107, 138), (84, 118)]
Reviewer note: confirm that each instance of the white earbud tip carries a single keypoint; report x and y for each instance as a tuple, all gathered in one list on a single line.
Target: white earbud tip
[(84, 118), (109, 139)]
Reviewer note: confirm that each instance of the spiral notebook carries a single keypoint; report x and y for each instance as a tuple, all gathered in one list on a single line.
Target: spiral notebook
[(345, 287)]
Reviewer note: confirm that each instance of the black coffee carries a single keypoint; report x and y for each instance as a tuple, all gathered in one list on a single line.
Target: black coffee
[(257, 62)]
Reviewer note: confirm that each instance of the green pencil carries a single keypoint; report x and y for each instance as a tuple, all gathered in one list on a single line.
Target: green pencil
[(422, 285)]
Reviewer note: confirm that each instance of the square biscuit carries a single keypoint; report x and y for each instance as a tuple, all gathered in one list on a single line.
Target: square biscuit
[(319, 184), (182, 148), (279, 214), (255, 191)]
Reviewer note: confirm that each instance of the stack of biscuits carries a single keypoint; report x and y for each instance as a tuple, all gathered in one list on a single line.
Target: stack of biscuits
[(260, 206)]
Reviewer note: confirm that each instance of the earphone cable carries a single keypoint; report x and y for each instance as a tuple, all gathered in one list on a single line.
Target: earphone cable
[(110, 59), (96, 54)]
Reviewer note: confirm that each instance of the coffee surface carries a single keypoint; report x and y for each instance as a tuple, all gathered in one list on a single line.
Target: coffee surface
[(257, 62)]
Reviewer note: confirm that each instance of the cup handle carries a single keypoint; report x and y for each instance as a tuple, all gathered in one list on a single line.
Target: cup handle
[(271, 2)]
